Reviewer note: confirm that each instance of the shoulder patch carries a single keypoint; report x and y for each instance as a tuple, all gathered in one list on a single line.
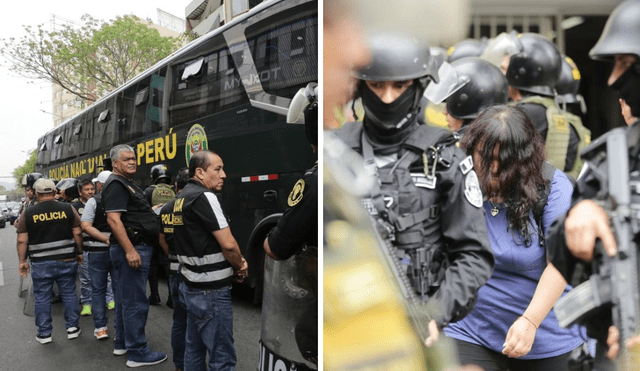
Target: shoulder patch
[(296, 193), (466, 165), (472, 189)]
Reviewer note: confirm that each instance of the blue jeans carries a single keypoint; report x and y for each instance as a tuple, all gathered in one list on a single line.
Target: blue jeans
[(179, 328), (85, 280), (209, 328), (132, 305), (43, 274), (100, 266)]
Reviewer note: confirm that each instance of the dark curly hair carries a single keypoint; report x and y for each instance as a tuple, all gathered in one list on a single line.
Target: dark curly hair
[(509, 133)]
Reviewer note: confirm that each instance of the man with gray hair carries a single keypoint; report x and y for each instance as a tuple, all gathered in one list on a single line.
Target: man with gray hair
[(134, 227)]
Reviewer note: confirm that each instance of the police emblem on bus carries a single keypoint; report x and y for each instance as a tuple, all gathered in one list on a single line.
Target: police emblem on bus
[(196, 141)]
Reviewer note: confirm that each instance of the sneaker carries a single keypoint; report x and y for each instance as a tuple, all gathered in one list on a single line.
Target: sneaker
[(119, 352), (101, 333), (86, 310), (111, 305), (43, 339), (73, 332), (151, 358)]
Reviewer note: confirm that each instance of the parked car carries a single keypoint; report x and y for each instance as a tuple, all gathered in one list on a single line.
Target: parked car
[(3, 218)]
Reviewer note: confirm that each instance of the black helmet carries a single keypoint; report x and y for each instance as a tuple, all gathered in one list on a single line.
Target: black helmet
[(69, 186), (160, 172), (487, 86), (398, 58), (621, 34), (467, 48), (569, 81), (28, 180), (537, 67)]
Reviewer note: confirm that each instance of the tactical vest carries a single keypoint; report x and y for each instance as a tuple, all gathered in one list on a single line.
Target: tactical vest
[(50, 229), (166, 225), (559, 133), (162, 193), (139, 216), (405, 198), (100, 223)]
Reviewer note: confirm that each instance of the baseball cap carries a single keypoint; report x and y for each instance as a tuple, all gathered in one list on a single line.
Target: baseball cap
[(102, 177), (44, 186)]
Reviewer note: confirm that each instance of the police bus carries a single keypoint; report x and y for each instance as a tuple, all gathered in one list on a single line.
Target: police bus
[(227, 91)]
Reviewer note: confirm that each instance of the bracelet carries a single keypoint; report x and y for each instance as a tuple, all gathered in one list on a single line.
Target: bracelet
[(534, 325)]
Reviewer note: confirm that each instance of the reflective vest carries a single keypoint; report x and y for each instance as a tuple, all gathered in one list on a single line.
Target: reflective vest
[(559, 133), (100, 223), (50, 229)]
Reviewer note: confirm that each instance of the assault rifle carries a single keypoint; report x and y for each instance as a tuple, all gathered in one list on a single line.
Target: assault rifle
[(440, 355), (614, 282)]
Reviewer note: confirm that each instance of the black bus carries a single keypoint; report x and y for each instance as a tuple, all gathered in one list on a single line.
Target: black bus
[(227, 91)]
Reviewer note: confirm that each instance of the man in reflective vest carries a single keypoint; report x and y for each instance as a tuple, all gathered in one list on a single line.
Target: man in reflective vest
[(210, 260), (50, 233)]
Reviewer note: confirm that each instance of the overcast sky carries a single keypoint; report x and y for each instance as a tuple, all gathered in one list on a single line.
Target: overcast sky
[(21, 120)]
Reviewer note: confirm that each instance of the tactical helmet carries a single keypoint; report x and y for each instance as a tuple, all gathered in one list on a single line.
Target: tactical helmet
[(537, 67), (621, 34), (467, 48), (487, 86), (398, 58), (305, 104), (503, 45), (569, 81), (28, 180), (160, 172), (69, 186)]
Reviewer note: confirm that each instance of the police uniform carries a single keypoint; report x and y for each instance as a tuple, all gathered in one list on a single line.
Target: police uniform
[(49, 227), (203, 265), (432, 204), (299, 224), (563, 139)]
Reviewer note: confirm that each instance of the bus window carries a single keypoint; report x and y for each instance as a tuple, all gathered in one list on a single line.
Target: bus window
[(126, 108), (104, 126), (286, 50), (199, 90)]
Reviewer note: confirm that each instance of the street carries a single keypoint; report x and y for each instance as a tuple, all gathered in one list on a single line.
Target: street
[(21, 351)]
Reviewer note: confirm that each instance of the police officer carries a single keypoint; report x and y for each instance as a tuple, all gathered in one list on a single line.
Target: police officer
[(572, 104), (50, 234), (210, 260), (485, 86), (534, 73), (28, 180), (577, 232), (96, 243), (68, 190), (167, 242), (134, 228), (295, 239), (158, 194), (427, 199)]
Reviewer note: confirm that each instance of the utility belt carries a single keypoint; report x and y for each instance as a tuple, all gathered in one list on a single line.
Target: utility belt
[(138, 237)]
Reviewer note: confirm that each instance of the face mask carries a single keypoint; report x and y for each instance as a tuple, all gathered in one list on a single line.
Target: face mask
[(388, 116), (628, 86)]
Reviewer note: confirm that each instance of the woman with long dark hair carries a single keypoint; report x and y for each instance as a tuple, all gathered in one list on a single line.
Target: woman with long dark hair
[(513, 325)]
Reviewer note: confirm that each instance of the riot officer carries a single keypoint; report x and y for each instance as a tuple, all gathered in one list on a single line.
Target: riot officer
[(159, 193), (292, 248), (534, 73), (426, 201), (28, 180), (574, 236), (484, 86), (67, 190)]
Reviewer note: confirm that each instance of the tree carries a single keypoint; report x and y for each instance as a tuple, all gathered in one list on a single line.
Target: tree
[(91, 60), (28, 167)]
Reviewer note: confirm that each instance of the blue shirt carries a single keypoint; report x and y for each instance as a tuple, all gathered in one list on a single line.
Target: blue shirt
[(510, 289)]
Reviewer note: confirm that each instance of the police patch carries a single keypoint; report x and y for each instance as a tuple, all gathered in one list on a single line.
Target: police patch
[(296, 193), (466, 165), (472, 189)]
